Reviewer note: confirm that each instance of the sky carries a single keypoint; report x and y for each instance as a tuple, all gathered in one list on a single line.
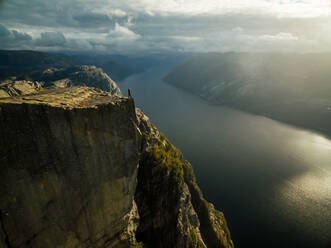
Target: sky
[(152, 26)]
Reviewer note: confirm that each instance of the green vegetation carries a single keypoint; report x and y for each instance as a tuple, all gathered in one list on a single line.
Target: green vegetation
[(194, 238), (193, 235), (166, 153), (139, 245)]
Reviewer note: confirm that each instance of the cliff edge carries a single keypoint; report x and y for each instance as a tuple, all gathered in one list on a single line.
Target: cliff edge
[(81, 167)]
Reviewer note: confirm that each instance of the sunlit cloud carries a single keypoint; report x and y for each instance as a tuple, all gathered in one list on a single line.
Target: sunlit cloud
[(285, 8), (173, 25), (122, 33), (279, 37)]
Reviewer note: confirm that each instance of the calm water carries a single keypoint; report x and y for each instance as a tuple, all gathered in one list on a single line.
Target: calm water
[(272, 181)]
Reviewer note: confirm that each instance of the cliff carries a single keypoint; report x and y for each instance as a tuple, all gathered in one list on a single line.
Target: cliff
[(81, 167)]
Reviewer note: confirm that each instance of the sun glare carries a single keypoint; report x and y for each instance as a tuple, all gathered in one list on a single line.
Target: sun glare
[(285, 8)]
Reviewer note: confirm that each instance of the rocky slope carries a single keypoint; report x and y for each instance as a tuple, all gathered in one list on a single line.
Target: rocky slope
[(76, 76), (172, 209), (10, 88), (58, 78), (81, 167)]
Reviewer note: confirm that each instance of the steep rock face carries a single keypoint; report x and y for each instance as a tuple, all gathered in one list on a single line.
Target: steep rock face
[(81, 167), (69, 161), (213, 225), (171, 207), (76, 76)]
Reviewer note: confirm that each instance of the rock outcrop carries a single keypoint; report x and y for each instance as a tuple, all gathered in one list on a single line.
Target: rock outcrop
[(10, 88), (81, 167), (76, 76)]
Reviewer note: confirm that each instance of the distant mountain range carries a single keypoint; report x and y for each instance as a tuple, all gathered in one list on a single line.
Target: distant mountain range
[(118, 67), (294, 88), (14, 63)]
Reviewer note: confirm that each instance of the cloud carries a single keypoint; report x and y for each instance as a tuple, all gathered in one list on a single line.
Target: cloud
[(116, 13), (91, 19), (279, 37), (51, 39), (175, 25), (285, 8), (56, 41), (238, 40), (122, 33), (11, 38)]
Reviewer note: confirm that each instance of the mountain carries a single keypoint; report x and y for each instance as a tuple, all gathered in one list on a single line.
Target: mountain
[(15, 63), (90, 76), (81, 167), (119, 67), (75, 76), (23, 63), (294, 88)]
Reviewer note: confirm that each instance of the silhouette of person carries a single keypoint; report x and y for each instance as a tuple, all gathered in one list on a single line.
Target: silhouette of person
[(129, 93)]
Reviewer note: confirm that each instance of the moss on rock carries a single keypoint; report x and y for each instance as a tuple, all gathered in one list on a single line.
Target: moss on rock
[(167, 154)]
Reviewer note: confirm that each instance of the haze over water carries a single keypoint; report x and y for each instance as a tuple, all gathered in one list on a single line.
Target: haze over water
[(272, 180)]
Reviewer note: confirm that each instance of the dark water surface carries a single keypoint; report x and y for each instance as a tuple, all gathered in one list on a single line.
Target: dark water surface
[(272, 181)]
